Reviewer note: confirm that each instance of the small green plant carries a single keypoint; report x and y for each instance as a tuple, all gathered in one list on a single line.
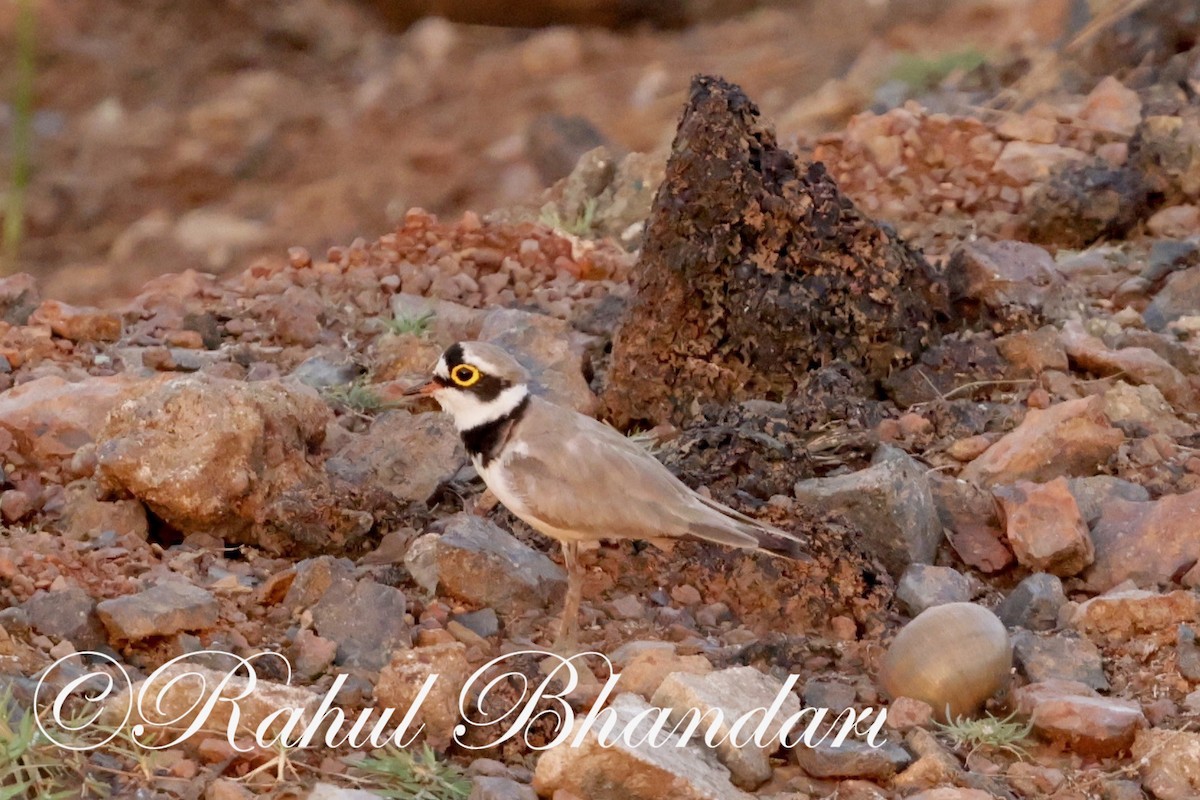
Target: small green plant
[(581, 225), (358, 396), (988, 731), (33, 766), (415, 325), (22, 139), (401, 775), (926, 72)]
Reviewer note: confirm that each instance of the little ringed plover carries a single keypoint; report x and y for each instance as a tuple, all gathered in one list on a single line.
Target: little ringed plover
[(571, 477)]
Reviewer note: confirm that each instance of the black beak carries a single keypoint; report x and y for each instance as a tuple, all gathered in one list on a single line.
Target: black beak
[(391, 390), (421, 389)]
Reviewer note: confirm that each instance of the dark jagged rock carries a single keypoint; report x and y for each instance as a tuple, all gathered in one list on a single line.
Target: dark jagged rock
[(1085, 202), (1164, 151), (946, 370), (757, 449), (1153, 33), (755, 270)]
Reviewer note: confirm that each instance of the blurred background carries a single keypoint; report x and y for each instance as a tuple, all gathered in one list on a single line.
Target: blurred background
[(149, 136)]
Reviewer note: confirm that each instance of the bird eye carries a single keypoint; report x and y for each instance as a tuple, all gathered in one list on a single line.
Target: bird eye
[(464, 375)]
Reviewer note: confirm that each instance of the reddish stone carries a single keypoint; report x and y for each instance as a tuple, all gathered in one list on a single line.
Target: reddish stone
[(1123, 615), (1045, 528), (1138, 364), (79, 324), (1071, 438)]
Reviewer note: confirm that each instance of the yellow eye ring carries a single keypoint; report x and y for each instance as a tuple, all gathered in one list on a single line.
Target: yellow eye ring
[(464, 375)]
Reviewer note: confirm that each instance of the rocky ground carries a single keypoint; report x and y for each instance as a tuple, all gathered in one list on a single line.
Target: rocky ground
[(169, 136), (211, 466)]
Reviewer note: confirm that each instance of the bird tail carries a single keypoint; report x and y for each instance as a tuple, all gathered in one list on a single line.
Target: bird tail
[(751, 533)]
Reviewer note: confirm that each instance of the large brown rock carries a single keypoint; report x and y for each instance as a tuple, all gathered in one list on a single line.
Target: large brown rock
[(890, 503), (1148, 542), (1072, 438), (240, 460), (756, 269)]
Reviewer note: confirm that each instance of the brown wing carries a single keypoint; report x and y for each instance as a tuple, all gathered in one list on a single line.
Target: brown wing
[(581, 475)]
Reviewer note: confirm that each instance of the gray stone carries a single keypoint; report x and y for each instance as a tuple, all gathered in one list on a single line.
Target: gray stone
[(408, 455), (497, 788), (161, 610), (321, 373), (621, 772), (549, 348), (732, 693), (1059, 657), (828, 694), (68, 614), (1179, 296), (482, 623), (477, 562), (366, 619), (890, 503), (1034, 603), (923, 586), (18, 298), (331, 791), (1092, 493), (1187, 654), (314, 577), (852, 759), (1167, 256), (421, 561)]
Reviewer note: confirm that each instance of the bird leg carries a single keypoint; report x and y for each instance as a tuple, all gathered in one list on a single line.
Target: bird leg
[(569, 626)]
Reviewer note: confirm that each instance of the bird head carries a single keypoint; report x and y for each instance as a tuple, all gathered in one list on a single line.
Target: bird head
[(476, 383)]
